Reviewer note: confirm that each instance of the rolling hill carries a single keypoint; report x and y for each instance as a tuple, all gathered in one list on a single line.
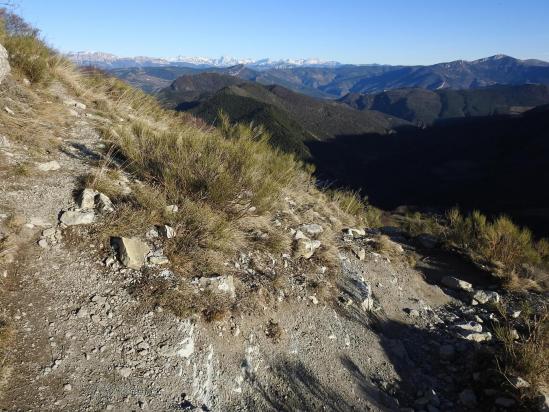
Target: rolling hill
[(290, 117), (423, 106)]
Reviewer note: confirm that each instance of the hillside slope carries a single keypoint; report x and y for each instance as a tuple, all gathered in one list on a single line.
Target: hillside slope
[(426, 106), (496, 164), (290, 117)]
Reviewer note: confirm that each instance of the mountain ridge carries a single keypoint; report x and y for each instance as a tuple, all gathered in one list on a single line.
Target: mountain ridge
[(333, 82)]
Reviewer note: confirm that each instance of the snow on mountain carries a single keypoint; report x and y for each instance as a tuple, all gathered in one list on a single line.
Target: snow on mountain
[(111, 61)]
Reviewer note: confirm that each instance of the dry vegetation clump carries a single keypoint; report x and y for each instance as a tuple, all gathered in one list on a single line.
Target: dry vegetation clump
[(416, 224), (526, 356), (500, 242), (353, 204)]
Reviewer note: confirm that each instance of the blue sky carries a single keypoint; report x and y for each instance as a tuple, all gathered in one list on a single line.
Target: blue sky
[(359, 31)]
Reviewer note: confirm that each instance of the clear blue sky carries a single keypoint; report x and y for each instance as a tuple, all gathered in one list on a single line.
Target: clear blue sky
[(359, 31)]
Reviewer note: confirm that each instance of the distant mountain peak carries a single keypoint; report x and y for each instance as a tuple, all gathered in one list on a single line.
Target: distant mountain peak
[(111, 61)]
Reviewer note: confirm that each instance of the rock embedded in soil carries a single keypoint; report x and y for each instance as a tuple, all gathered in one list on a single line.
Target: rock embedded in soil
[(166, 231), (355, 232), (131, 251), (74, 103), (312, 229), (87, 199), (224, 284), (104, 203), (4, 142), (456, 284), (48, 166), (306, 248), (77, 217), (360, 253), (483, 297)]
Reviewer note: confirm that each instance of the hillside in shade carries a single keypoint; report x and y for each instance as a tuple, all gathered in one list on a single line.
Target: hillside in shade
[(422, 106)]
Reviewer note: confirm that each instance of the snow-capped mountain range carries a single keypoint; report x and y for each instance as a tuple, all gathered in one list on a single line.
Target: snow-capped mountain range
[(111, 61)]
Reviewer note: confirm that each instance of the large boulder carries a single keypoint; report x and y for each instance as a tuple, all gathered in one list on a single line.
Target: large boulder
[(131, 251), (4, 63)]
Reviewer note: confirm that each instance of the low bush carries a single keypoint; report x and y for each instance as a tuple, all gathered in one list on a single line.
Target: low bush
[(499, 240), (417, 224)]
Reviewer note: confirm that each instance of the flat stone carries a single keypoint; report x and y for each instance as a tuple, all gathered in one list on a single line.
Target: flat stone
[(158, 260), (131, 251), (48, 166), (312, 229), (457, 284), (43, 243), (77, 217)]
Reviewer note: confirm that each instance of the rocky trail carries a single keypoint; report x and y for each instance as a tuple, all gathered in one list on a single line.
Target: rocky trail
[(394, 337)]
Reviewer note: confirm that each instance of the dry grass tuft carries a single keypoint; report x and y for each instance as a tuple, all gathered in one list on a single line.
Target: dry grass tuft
[(528, 356), (353, 204)]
